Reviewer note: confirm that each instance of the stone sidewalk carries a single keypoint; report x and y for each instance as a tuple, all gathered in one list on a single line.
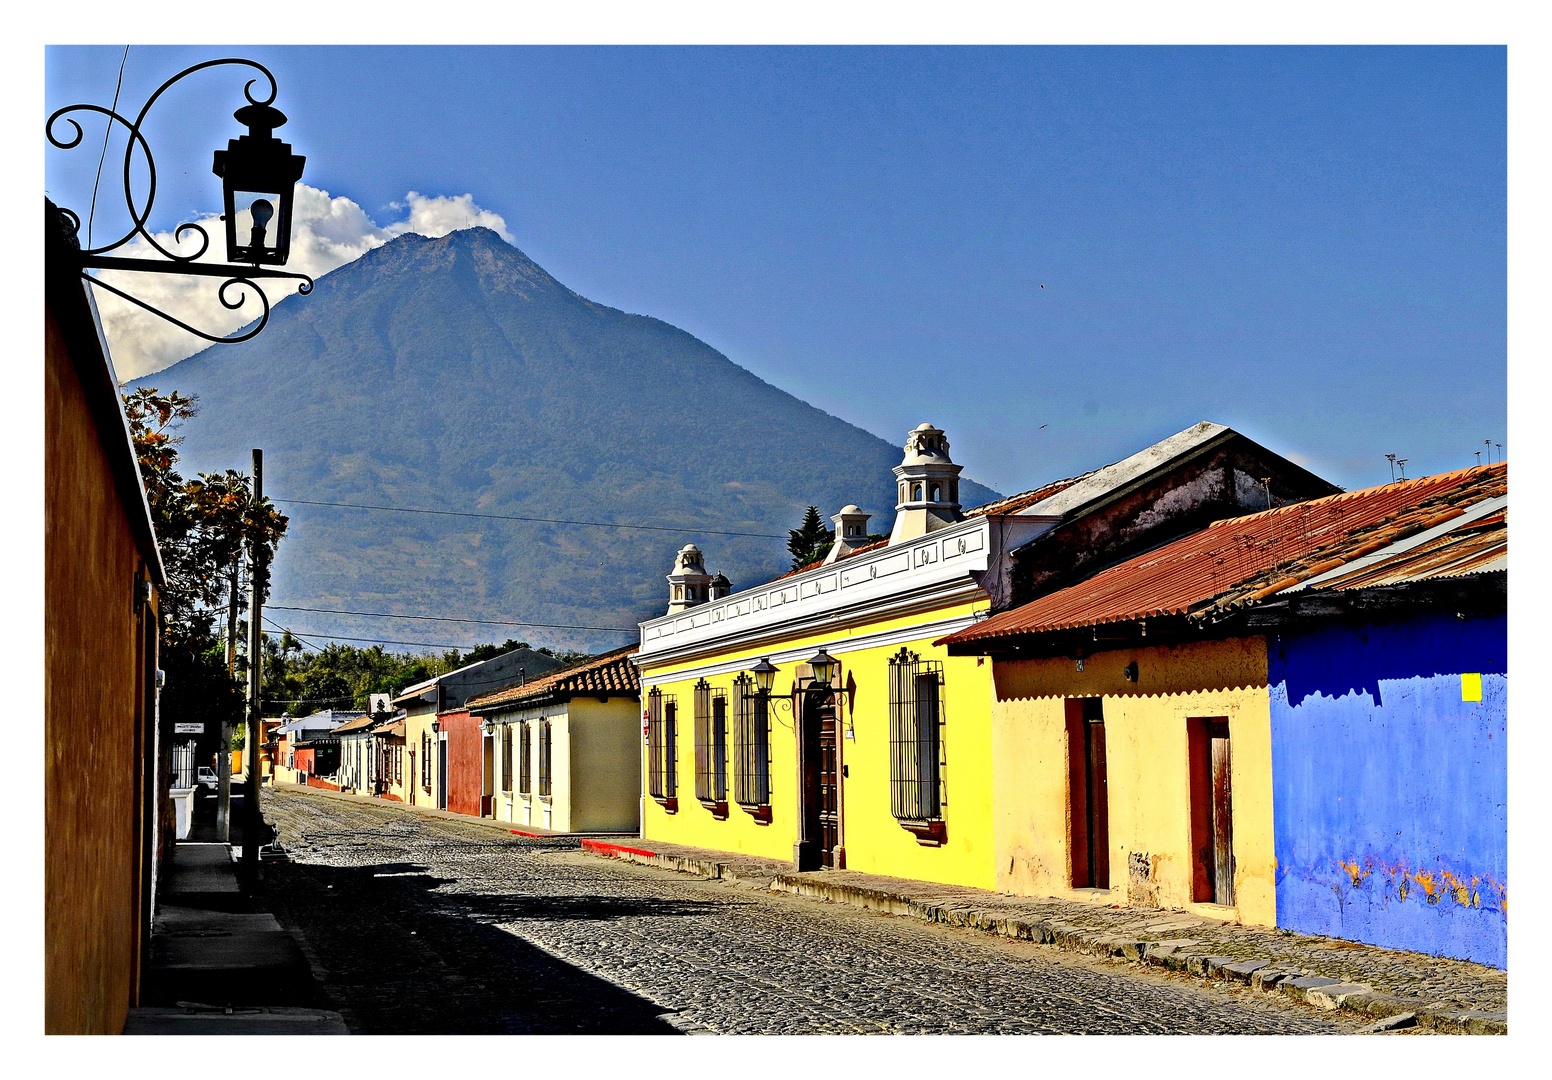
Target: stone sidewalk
[(219, 963), (1397, 988)]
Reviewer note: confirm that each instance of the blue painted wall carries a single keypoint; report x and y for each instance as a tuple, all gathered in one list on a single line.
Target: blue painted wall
[(1390, 797)]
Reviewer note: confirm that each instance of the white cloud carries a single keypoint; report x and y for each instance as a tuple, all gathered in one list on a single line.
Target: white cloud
[(327, 232), (443, 214)]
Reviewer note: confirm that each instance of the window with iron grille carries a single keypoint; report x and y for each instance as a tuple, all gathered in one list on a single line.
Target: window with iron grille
[(710, 744), (544, 759), (525, 758), (916, 752), (662, 746), (425, 761), (506, 757), (752, 775)]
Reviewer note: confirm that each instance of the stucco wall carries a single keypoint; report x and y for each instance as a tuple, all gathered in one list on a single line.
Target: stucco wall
[(414, 791), (1391, 791), (604, 766), (873, 840), (1150, 850), (99, 655), (554, 811)]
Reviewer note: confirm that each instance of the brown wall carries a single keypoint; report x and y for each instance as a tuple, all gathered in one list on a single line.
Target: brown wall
[(99, 661), (465, 762)]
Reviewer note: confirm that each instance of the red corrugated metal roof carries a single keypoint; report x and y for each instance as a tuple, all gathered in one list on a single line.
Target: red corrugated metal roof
[(1242, 560), (607, 673), (1475, 547)]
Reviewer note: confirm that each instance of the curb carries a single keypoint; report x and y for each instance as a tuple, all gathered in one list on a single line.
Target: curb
[(1180, 955)]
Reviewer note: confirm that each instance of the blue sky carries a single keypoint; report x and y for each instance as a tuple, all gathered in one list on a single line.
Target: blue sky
[(1305, 244)]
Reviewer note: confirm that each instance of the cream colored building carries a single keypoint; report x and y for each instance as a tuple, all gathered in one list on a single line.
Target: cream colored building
[(566, 747)]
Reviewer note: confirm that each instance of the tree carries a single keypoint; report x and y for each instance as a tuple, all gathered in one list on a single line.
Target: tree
[(810, 541), (202, 528)]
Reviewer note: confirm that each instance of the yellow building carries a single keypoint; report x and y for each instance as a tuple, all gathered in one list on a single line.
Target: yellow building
[(812, 718), (1104, 778), (563, 748), (895, 758)]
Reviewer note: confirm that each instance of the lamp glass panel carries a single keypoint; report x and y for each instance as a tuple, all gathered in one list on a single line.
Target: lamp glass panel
[(242, 203)]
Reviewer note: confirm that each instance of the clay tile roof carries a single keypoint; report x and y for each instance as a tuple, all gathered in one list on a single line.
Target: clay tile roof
[(1240, 561), (875, 545), (607, 673), (357, 724), (1012, 504)]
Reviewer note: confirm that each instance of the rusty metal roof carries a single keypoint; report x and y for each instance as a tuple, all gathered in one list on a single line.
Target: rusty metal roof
[(1240, 561), (607, 673), (1474, 543)]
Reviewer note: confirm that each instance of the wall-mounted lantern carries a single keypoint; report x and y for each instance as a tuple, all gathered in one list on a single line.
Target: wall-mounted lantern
[(824, 666), (764, 675), (259, 173)]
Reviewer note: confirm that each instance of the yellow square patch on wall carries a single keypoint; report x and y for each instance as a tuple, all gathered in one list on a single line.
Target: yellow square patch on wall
[(1471, 687)]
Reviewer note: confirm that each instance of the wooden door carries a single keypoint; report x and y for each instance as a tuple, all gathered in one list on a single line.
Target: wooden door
[(1088, 786), (1222, 815), (1212, 811), (829, 788), (441, 798), (818, 783), (1097, 770)]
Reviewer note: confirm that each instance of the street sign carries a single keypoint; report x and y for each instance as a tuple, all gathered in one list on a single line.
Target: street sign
[(188, 729)]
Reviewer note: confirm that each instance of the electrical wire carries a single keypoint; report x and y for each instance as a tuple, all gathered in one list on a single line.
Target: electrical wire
[(441, 618), (369, 640), (540, 520), (104, 155)]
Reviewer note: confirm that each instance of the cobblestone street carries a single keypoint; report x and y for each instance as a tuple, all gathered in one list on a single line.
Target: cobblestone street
[(427, 925)]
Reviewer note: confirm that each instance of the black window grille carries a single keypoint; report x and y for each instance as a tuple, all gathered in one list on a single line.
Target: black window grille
[(425, 761), (544, 759), (506, 757), (662, 745), (752, 776), (916, 746), (710, 743), (183, 765), (524, 759)]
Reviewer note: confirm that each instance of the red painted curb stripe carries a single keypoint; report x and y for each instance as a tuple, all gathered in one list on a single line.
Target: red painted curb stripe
[(533, 835), (600, 846)]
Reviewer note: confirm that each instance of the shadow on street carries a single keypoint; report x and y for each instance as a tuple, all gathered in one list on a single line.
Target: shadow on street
[(401, 958)]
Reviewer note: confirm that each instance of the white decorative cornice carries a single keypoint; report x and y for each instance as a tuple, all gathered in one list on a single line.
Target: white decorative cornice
[(946, 567)]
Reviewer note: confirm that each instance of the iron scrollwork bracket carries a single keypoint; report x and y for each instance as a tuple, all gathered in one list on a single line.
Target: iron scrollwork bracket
[(240, 279)]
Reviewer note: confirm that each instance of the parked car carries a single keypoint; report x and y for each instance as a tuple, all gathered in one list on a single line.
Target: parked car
[(206, 777)]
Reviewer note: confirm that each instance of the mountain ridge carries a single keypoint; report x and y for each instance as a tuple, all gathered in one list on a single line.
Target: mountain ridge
[(456, 374)]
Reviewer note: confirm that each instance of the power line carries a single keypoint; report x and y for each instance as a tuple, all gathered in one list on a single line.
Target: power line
[(440, 618), (114, 108), (287, 630), (370, 640), (543, 521)]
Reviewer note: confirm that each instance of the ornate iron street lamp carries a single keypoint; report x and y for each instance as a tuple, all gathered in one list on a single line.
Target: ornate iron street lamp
[(824, 666), (764, 675), (258, 173)]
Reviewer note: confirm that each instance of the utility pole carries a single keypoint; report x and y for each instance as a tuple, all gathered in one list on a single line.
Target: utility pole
[(224, 764), (250, 852)]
